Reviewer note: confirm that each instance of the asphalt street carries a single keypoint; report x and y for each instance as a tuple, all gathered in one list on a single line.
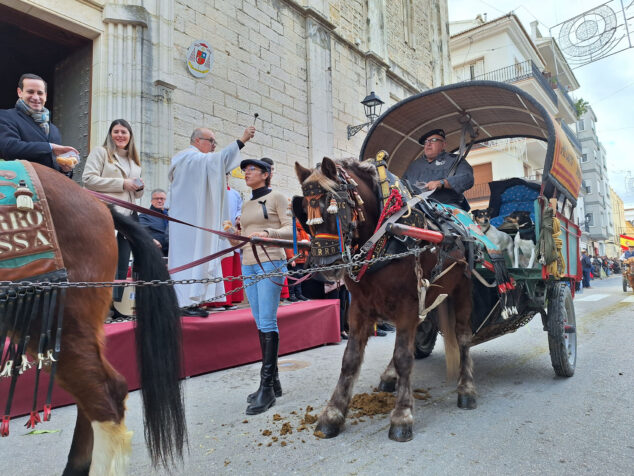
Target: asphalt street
[(528, 421)]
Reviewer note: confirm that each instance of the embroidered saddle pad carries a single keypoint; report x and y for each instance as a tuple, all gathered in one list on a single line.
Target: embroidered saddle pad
[(28, 243)]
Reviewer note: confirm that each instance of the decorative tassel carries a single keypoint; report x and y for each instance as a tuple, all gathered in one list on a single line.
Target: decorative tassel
[(358, 198), (33, 420), (25, 365), (7, 369), (4, 427), (40, 361), (46, 416), (332, 208), (49, 356), (23, 196), (314, 213)]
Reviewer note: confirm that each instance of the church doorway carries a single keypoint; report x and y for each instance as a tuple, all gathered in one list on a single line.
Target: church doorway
[(62, 58)]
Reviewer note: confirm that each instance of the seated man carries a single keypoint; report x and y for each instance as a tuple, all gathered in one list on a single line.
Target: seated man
[(432, 170), (158, 227)]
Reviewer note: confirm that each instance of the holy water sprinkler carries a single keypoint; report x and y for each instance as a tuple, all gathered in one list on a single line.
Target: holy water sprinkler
[(255, 116)]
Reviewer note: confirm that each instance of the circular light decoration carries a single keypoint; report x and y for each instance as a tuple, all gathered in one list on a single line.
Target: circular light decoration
[(200, 59), (589, 36)]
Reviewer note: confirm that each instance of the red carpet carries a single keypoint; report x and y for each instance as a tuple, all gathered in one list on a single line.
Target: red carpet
[(224, 339)]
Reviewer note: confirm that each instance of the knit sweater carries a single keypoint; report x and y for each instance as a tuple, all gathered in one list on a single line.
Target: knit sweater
[(278, 225)]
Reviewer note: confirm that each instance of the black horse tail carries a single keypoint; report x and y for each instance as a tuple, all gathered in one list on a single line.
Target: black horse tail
[(159, 352)]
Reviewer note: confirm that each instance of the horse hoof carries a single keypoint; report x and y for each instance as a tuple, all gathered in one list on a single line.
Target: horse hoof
[(387, 386), (401, 432), (327, 430), (467, 402)]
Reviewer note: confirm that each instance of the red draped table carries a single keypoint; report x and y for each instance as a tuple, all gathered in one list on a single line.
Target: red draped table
[(223, 340)]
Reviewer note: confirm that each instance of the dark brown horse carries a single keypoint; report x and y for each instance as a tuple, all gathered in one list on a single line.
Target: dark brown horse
[(85, 229), (391, 292)]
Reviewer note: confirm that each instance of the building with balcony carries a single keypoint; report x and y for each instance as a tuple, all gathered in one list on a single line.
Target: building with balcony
[(503, 50), (599, 221)]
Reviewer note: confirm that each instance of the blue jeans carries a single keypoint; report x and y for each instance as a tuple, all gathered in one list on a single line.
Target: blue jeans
[(264, 296)]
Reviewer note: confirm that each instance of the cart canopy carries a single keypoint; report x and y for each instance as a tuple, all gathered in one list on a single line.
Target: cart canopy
[(473, 112)]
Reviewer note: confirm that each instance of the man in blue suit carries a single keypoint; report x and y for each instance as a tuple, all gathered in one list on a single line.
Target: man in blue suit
[(26, 131)]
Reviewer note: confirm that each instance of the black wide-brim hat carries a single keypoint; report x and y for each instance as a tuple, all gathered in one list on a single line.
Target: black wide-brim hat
[(258, 163), (433, 132)]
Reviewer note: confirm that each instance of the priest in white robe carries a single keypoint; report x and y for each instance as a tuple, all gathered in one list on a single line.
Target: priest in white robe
[(197, 196)]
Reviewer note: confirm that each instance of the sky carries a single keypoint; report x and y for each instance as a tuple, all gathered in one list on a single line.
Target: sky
[(607, 84)]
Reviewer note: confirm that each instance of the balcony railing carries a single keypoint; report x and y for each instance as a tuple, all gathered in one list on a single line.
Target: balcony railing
[(518, 72), (572, 137), (564, 93)]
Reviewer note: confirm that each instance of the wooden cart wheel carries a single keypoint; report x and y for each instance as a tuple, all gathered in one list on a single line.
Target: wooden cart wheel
[(425, 338), (562, 330)]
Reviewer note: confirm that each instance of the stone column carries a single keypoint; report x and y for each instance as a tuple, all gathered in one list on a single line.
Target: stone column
[(320, 108), (439, 36), (133, 81), (376, 59), (120, 87), (377, 39)]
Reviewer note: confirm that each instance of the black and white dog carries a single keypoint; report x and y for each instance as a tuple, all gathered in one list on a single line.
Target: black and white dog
[(502, 240), (524, 252), (520, 251)]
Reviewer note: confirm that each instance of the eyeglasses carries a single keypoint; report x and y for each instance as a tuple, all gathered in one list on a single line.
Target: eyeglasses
[(212, 142), (251, 168), (435, 139)]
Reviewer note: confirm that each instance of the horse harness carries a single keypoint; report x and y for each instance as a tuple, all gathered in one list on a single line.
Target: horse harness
[(397, 205), (29, 253)]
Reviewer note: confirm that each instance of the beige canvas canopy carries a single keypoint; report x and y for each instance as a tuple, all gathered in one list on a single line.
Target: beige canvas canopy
[(469, 113)]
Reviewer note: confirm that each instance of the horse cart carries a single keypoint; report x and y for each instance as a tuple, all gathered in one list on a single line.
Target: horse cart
[(483, 114)]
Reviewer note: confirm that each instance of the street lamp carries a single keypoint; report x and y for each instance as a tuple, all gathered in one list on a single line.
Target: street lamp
[(372, 106), (588, 217)]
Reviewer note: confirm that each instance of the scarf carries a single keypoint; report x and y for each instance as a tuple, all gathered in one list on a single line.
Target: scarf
[(41, 118)]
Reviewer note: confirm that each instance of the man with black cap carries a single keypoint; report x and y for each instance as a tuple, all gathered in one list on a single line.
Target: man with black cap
[(435, 170)]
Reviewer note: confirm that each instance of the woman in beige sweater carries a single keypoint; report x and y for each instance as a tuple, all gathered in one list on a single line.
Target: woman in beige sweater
[(115, 169), (264, 216)]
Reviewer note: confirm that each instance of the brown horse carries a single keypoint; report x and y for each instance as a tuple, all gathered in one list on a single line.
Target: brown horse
[(390, 292), (85, 230)]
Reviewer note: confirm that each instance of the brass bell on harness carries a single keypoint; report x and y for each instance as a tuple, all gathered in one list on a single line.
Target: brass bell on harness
[(23, 197)]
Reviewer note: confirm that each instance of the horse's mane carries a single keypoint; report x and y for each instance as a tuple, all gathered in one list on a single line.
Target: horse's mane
[(364, 170)]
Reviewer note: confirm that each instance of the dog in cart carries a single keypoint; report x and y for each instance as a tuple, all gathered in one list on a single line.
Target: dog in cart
[(519, 251)]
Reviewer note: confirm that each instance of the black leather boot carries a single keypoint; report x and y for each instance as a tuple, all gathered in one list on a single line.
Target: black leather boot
[(251, 396), (265, 396), (277, 386)]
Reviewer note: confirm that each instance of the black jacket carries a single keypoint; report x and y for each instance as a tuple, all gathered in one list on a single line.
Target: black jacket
[(158, 228), (22, 138)]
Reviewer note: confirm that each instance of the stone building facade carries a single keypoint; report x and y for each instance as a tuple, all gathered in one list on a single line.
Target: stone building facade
[(302, 65)]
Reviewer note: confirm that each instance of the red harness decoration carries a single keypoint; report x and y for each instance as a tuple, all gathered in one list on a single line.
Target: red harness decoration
[(393, 204)]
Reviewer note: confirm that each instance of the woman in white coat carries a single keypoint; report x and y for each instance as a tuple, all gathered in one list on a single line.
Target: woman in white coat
[(115, 169)]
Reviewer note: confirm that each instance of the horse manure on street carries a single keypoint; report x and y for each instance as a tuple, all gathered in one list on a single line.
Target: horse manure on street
[(295, 421), (370, 404)]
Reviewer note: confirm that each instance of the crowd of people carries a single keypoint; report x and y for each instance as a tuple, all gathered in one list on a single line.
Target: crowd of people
[(599, 267), (198, 177)]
